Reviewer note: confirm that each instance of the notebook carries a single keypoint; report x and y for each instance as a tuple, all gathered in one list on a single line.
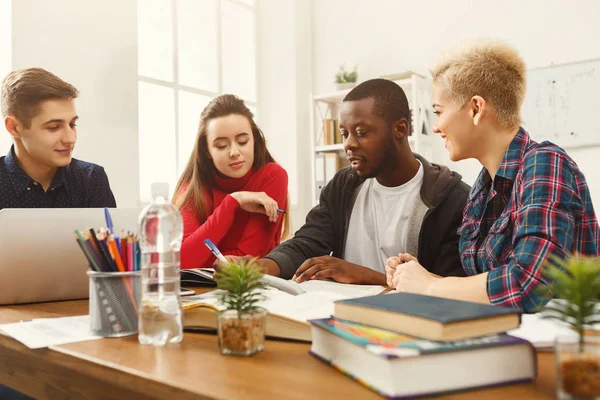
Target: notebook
[(39, 257)]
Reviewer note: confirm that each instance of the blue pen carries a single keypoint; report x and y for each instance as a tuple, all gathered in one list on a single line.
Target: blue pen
[(279, 210), (109, 223), (211, 246)]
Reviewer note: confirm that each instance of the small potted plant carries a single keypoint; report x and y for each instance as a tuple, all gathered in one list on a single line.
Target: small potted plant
[(241, 324), (575, 283), (345, 79)]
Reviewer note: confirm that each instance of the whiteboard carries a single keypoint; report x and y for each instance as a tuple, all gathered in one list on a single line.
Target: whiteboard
[(561, 103)]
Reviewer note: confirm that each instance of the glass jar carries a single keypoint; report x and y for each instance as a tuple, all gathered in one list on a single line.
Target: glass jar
[(241, 335), (578, 367)]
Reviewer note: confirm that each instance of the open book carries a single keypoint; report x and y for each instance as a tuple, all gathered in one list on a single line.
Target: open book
[(287, 315)]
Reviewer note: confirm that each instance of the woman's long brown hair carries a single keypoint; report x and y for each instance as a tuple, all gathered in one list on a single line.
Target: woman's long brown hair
[(197, 178)]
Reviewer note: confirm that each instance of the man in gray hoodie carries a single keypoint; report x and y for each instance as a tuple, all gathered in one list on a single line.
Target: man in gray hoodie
[(389, 201)]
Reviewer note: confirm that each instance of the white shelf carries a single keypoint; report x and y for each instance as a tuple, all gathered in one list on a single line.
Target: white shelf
[(338, 96), (332, 97), (412, 140), (329, 147)]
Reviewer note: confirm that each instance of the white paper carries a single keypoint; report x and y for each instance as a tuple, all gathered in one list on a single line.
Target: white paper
[(347, 290), (540, 332), (46, 332), (302, 307), (208, 295)]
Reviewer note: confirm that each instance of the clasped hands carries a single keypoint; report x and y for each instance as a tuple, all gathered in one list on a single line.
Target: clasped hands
[(405, 274)]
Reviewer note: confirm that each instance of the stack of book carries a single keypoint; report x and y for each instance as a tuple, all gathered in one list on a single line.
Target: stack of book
[(453, 345)]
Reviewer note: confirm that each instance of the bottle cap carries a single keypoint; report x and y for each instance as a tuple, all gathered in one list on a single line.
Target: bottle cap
[(159, 189)]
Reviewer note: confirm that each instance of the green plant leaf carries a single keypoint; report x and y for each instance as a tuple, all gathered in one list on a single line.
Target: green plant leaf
[(575, 280), (592, 321), (344, 76), (242, 284)]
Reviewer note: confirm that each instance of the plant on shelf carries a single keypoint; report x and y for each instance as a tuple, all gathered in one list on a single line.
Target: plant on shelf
[(241, 323), (575, 283), (345, 79)]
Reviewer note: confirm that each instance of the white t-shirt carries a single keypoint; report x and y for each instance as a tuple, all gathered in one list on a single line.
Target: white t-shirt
[(378, 225)]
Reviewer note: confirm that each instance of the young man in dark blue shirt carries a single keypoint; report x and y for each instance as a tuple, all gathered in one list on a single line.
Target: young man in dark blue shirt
[(38, 109)]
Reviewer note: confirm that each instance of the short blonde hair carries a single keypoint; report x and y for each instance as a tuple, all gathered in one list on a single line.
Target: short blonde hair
[(490, 69), (24, 90)]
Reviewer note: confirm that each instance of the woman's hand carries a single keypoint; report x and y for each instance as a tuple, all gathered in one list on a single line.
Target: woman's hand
[(411, 277), (257, 202), (392, 264)]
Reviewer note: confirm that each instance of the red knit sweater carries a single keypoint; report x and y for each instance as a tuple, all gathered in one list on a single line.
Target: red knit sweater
[(235, 231)]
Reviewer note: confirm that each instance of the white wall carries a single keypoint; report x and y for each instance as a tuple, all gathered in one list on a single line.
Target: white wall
[(5, 63), (5, 37), (283, 93), (390, 36), (94, 47), (300, 45)]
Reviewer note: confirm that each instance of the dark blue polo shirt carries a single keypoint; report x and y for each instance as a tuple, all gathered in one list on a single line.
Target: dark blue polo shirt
[(77, 185)]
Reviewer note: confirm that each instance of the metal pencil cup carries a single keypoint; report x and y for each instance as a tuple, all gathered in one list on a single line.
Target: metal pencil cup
[(114, 300)]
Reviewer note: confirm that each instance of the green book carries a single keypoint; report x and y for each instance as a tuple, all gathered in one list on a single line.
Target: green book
[(428, 317)]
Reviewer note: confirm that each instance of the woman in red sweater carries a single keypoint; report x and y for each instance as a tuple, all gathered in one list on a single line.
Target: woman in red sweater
[(231, 188)]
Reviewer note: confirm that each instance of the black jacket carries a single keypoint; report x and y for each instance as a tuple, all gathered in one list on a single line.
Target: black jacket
[(442, 192)]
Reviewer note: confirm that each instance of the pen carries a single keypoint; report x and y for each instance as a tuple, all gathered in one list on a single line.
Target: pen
[(114, 252), (213, 248), (279, 210), (109, 222)]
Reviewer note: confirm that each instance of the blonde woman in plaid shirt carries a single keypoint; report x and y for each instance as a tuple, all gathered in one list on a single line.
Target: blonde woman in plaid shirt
[(530, 201)]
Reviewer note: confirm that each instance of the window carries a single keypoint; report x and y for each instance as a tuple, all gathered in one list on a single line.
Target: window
[(5, 61), (189, 51)]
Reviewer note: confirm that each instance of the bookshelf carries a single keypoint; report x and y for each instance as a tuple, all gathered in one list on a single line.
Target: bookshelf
[(327, 158)]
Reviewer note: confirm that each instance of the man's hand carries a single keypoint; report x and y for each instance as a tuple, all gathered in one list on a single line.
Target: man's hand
[(411, 277), (392, 263), (327, 267), (267, 265)]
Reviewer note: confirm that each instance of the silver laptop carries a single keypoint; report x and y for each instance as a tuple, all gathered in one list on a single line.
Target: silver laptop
[(39, 257)]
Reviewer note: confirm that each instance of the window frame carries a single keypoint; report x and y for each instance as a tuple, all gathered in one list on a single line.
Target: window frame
[(177, 87)]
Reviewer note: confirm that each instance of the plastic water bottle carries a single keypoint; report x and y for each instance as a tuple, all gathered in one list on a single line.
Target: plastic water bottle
[(161, 233)]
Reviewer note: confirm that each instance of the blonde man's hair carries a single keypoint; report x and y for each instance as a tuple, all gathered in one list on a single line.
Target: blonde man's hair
[(24, 90), (490, 69)]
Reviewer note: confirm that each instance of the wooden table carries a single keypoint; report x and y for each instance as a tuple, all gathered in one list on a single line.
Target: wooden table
[(193, 369)]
